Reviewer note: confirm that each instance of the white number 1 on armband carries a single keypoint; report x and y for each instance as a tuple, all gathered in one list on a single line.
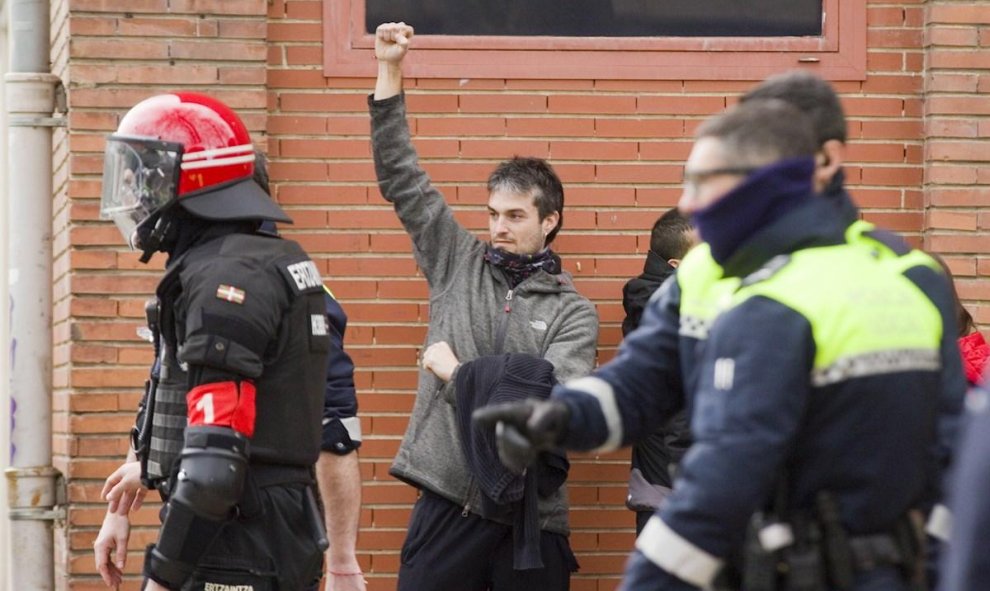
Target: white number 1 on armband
[(205, 404)]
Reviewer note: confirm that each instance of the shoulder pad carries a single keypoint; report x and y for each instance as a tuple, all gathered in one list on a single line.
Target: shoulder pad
[(768, 270), (302, 276)]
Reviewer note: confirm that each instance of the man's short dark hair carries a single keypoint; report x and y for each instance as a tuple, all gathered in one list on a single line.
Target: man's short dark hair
[(812, 96), (532, 175), (760, 132), (671, 235)]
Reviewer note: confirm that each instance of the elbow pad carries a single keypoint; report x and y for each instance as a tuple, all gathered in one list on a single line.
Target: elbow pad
[(209, 485)]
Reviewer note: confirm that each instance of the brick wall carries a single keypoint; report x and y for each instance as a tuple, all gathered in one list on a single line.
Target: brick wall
[(619, 147), (957, 127)]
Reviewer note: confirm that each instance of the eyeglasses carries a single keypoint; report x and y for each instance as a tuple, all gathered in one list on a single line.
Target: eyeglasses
[(694, 178)]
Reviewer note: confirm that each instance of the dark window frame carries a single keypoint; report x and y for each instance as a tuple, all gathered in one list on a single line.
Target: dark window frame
[(838, 54)]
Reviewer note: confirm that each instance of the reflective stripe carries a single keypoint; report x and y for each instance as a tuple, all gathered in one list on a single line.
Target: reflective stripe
[(676, 555), (217, 162), (939, 523), (876, 363), (353, 426), (605, 395), (217, 152)]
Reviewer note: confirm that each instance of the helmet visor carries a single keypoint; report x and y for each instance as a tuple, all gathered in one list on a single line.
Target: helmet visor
[(140, 177)]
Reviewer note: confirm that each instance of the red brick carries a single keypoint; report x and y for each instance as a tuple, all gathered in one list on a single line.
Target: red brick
[(941, 127), (241, 29), (221, 7), (873, 152), (458, 126), (322, 102), (963, 59), (892, 176), (144, 6), (639, 173), (501, 148), (502, 103), (681, 105), (893, 38), (297, 33), (951, 82), (312, 10), (958, 12), (424, 103), (884, 16), (914, 61), (948, 220), (951, 174), (958, 151), (640, 128), (884, 61), (459, 84), (550, 127), (593, 150), (907, 84), (91, 48), (576, 103), (213, 50), (957, 36)]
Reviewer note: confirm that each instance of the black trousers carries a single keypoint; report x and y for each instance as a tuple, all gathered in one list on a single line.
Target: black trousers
[(445, 550), (273, 546)]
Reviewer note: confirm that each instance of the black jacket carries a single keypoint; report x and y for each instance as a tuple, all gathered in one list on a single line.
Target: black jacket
[(650, 478)]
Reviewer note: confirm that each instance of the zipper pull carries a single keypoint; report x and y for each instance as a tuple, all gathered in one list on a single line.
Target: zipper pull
[(466, 511), (508, 301), (508, 296)]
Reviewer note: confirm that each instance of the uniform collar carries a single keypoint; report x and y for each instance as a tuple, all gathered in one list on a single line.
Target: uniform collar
[(813, 223)]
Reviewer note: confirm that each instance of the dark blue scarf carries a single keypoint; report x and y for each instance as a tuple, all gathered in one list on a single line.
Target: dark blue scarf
[(518, 267), (764, 197)]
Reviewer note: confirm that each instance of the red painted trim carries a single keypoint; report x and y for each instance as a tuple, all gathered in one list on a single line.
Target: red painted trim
[(839, 54)]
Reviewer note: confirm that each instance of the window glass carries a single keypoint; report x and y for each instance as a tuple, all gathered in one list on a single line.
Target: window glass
[(602, 18)]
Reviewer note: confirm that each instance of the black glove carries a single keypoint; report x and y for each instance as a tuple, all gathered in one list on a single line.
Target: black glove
[(524, 429)]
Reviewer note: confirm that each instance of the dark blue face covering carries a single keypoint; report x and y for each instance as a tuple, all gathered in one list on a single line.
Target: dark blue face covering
[(764, 197)]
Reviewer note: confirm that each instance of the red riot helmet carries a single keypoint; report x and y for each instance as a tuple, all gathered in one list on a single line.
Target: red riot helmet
[(187, 149)]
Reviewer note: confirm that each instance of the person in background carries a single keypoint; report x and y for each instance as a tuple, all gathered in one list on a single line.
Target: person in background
[(338, 473), (972, 346), (650, 476)]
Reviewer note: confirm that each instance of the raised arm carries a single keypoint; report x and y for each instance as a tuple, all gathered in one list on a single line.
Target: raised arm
[(438, 240)]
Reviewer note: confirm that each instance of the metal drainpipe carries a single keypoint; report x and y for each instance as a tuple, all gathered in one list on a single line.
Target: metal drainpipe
[(31, 478)]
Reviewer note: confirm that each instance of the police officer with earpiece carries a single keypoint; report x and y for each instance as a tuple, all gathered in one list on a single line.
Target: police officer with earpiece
[(230, 426)]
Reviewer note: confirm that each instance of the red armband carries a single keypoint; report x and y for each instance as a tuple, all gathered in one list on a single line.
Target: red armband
[(223, 404)]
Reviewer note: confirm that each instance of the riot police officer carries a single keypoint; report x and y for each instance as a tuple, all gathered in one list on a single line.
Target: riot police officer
[(230, 426)]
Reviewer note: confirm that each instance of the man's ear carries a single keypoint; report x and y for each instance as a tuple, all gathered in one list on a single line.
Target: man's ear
[(674, 262), (828, 160), (549, 223)]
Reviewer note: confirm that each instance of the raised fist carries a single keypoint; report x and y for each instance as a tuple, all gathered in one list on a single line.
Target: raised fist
[(392, 42)]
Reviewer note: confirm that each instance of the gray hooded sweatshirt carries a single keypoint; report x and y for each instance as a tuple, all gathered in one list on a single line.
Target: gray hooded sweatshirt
[(473, 309)]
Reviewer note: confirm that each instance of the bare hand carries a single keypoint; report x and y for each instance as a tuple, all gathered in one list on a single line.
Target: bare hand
[(440, 359), (110, 548), (123, 489), (392, 42), (153, 586)]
